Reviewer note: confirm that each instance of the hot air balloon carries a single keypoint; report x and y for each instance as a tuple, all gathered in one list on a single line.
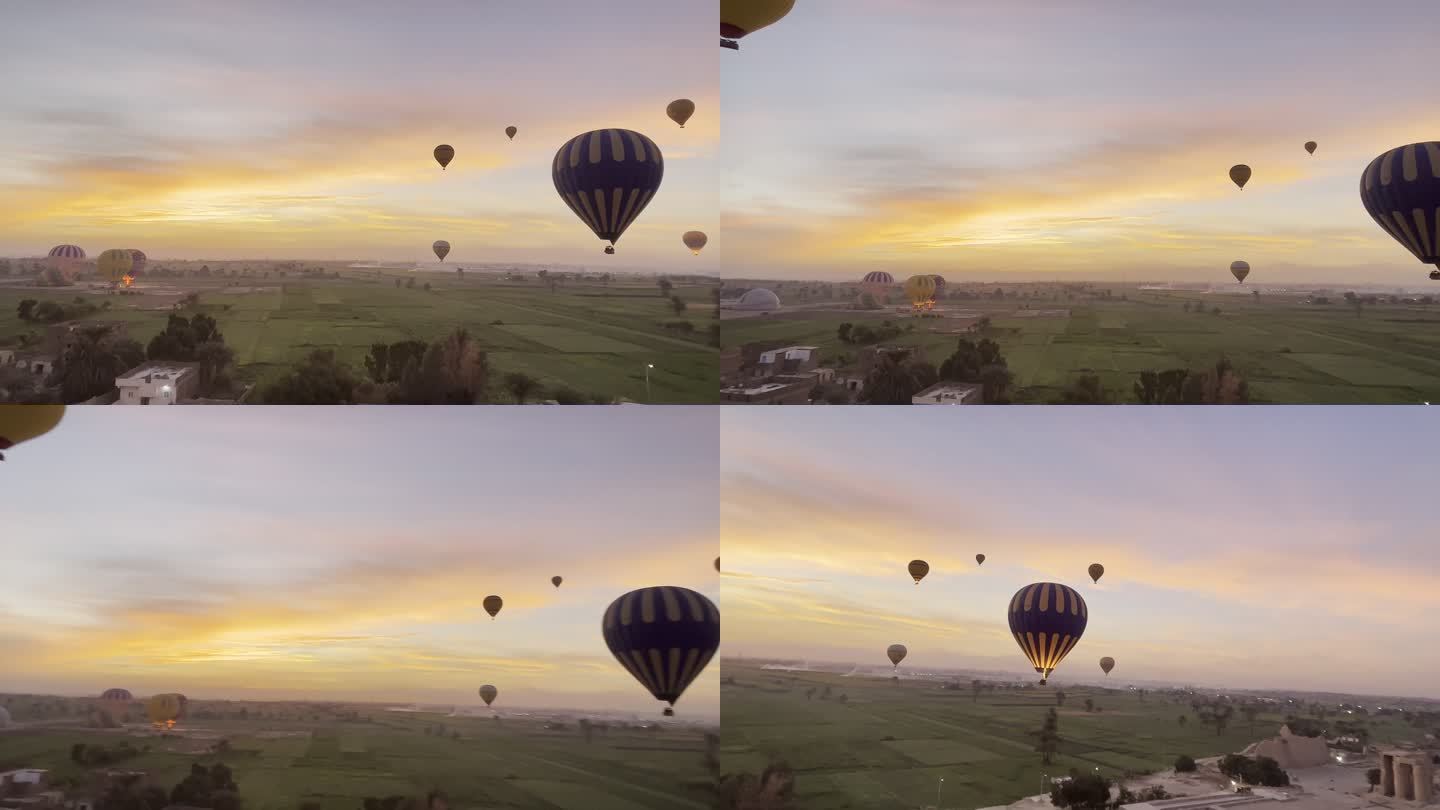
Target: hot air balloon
[(717, 565), (741, 17), (607, 177), (1401, 190), (1240, 270), (920, 289), (918, 570), (493, 605), (113, 703), (114, 265), (556, 581), (20, 423), (1047, 620), (488, 693), (138, 260), (66, 259), (510, 132), (1096, 570), (680, 110), (163, 710), (979, 559), (877, 283), (1310, 147), (694, 240), (444, 153), (1240, 174), (441, 248), (664, 636), (1107, 663), (897, 654)]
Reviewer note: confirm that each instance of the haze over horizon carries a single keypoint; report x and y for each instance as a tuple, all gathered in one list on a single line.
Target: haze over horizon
[(219, 132), (1261, 548), (1043, 140), (343, 554)]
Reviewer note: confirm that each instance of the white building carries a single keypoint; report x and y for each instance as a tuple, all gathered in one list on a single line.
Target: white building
[(950, 393), (158, 383), (24, 776)]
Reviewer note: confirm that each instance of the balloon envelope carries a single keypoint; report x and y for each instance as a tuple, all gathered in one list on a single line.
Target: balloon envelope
[(1240, 174), (66, 259), (664, 636), (920, 289), (695, 240), (444, 153), (441, 248), (741, 17), (488, 693), (556, 581), (163, 709), (1047, 620), (897, 653), (979, 559), (114, 265), (1310, 147), (1401, 192), (19, 423), (1240, 270), (138, 260), (510, 132), (918, 569), (680, 110), (1107, 663), (1096, 570), (493, 605), (607, 177)]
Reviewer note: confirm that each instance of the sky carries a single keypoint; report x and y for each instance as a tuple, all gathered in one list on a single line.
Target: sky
[(1047, 139), (205, 129), (1285, 548), (343, 553)]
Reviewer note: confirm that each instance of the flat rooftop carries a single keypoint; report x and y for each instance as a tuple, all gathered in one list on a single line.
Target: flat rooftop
[(158, 371)]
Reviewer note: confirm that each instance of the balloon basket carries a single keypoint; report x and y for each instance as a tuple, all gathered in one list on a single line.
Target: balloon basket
[(730, 43)]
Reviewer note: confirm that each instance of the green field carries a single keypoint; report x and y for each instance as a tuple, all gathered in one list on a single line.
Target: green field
[(1288, 351), (512, 763), (890, 743), (592, 337)]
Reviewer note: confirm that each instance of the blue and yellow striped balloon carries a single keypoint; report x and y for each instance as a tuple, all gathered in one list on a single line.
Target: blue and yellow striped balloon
[(607, 177), (1401, 190), (1047, 620), (664, 636)]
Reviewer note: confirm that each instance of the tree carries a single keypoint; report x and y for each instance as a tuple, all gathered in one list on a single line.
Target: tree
[(1085, 390), (975, 691), (774, 789), (1184, 764), (842, 331), (454, 371), (1181, 720), (1089, 704), (319, 379), (891, 382), (89, 367), (665, 287), (1083, 791), (26, 308), (520, 386), (712, 754), (1060, 697), (1373, 777), (677, 303), (1048, 738)]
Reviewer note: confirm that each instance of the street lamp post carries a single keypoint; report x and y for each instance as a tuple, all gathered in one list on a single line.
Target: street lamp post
[(648, 366), (937, 792)]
